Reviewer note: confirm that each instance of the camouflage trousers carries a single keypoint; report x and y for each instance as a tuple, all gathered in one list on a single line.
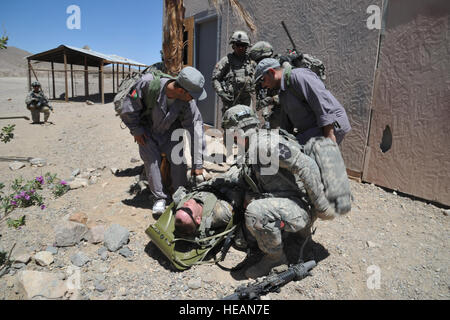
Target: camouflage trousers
[(267, 219), (36, 113)]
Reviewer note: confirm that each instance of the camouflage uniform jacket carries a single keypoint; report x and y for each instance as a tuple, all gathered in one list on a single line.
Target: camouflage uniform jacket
[(294, 174), (34, 98), (233, 76)]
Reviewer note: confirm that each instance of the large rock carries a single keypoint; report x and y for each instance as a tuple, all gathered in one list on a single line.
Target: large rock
[(79, 259), (78, 183), (16, 165), (69, 233), (79, 217), (39, 162), (96, 234), (44, 258), (41, 285), (115, 237)]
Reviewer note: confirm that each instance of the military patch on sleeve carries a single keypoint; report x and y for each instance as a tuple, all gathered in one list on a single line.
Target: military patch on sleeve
[(134, 94), (284, 151)]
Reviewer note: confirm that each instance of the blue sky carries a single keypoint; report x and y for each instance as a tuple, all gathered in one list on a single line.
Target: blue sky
[(131, 29)]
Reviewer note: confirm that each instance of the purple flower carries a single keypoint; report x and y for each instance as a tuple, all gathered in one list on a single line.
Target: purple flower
[(63, 182), (40, 179), (22, 194), (43, 207), (27, 197), (14, 203), (32, 191), (17, 196)]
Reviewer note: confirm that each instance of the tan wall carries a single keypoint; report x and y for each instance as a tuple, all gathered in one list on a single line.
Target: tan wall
[(412, 97)]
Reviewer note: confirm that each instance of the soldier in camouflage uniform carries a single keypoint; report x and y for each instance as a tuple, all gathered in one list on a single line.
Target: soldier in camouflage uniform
[(266, 98), (232, 77), (202, 212), (286, 200), (37, 102)]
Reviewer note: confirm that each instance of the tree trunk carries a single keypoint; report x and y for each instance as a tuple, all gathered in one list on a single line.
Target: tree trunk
[(173, 36)]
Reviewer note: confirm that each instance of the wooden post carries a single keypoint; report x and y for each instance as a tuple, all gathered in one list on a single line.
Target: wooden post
[(102, 85), (139, 68), (86, 78), (129, 69), (29, 75), (71, 77), (123, 71), (65, 78), (53, 80), (114, 80), (118, 73)]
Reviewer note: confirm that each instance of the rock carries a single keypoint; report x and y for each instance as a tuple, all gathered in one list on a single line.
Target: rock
[(446, 212), (79, 259), (42, 285), (78, 183), (115, 237), (20, 256), (114, 170), (89, 102), (93, 180), (126, 252), (69, 233), (16, 165), (44, 258), (79, 217), (134, 160), (195, 283), (371, 244), (100, 287), (38, 162), (76, 172), (52, 250), (96, 234)]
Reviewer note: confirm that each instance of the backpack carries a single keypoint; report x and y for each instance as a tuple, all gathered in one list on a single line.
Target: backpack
[(150, 96), (307, 61)]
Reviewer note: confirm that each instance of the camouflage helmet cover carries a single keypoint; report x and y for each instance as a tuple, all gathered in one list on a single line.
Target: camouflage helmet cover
[(36, 84), (240, 37), (261, 50), (239, 116)]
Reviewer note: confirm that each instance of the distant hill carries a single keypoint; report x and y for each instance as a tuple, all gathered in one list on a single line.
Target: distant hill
[(13, 62)]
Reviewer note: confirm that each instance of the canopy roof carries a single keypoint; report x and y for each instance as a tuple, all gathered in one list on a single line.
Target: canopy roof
[(77, 56)]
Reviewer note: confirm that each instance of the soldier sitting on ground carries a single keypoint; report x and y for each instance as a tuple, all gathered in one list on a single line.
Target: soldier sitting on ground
[(37, 102)]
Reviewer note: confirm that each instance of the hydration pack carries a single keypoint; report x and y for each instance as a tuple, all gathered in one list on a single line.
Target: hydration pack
[(150, 96)]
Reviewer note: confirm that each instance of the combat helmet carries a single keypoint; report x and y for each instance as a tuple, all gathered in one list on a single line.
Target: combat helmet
[(239, 116), (36, 84), (240, 37), (261, 50)]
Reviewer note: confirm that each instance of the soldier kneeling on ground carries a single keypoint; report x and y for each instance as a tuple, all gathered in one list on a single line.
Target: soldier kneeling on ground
[(37, 102), (290, 198)]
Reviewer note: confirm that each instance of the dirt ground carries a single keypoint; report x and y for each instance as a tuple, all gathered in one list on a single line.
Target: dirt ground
[(390, 246)]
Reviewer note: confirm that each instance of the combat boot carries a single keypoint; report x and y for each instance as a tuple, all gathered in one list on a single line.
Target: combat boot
[(263, 267), (35, 116)]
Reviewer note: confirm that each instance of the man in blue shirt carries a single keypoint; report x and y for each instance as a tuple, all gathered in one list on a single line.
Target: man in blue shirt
[(308, 108)]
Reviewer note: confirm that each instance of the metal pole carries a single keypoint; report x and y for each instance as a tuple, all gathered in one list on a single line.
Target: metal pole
[(71, 77), (114, 80), (86, 78)]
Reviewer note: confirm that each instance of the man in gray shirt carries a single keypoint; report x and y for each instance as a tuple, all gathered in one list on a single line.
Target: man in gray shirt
[(308, 108), (174, 108)]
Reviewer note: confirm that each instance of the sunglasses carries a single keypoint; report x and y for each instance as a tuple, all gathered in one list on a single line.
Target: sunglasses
[(240, 45)]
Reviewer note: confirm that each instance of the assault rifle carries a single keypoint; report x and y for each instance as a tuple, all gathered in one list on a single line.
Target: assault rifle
[(272, 283), (293, 56)]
